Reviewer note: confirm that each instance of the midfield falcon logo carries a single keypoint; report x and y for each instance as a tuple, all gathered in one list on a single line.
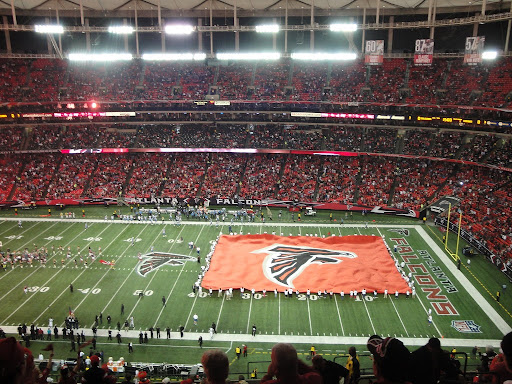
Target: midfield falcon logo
[(286, 262), (154, 260), (400, 231)]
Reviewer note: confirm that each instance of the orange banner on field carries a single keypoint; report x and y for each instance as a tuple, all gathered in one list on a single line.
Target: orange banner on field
[(302, 262)]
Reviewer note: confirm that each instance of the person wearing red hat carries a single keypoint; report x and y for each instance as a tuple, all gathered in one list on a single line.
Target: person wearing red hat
[(143, 377), (16, 363)]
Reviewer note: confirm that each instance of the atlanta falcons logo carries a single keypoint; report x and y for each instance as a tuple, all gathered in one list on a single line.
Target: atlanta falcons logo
[(154, 260), (285, 262), (400, 231)]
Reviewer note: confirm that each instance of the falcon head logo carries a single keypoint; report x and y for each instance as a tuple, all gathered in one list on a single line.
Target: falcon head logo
[(285, 262), (400, 231), (154, 260)]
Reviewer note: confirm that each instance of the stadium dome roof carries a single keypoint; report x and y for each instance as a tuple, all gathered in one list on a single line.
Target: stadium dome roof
[(256, 8)]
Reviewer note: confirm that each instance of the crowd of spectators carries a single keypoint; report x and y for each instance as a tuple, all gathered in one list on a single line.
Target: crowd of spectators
[(417, 181), (376, 180), (346, 82), (149, 171), (344, 138), (10, 166), (195, 80), (308, 81), (264, 136), (109, 176), (498, 86), (185, 176), (417, 142), (446, 144), (461, 81), (299, 179), (270, 81), (233, 81), (32, 183), (479, 148), (260, 178), (337, 180), (386, 80), (71, 177), (380, 140), (223, 175), (295, 138), (425, 81), (13, 79), (11, 139), (446, 81), (159, 80), (486, 206)]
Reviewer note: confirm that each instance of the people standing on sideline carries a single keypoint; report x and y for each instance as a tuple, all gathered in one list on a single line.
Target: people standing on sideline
[(200, 341), (254, 330)]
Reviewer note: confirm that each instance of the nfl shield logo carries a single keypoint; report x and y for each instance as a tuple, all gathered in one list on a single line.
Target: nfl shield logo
[(466, 326)]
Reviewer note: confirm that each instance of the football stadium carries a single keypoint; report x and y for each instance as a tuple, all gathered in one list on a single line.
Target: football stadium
[(194, 191)]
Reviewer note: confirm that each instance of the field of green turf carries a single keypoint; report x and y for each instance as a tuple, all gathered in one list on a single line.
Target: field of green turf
[(331, 324)]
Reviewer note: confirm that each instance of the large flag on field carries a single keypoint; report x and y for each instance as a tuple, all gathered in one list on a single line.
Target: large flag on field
[(303, 262)]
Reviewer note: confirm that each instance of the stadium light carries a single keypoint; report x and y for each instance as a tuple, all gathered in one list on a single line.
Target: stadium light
[(267, 28), (174, 56), (322, 56), (121, 29), (343, 27), (100, 56), (44, 28), (179, 29), (489, 55), (249, 56)]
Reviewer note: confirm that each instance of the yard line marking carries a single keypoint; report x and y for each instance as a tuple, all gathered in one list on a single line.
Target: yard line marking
[(220, 310), (118, 257), (50, 279), (309, 315), (155, 273), (175, 281), (339, 315), (190, 313), (140, 297), (400, 318), (195, 299), (279, 311), (249, 316), (80, 274), (124, 281), (369, 317)]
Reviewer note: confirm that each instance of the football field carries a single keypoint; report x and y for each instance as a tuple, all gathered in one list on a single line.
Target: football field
[(464, 312)]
